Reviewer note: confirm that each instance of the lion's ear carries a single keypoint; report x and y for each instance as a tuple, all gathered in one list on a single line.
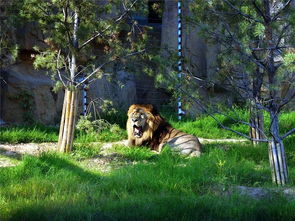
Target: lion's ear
[(131, 108)]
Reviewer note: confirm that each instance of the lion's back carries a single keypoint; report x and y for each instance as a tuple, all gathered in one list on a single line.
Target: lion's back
[(186, 144)]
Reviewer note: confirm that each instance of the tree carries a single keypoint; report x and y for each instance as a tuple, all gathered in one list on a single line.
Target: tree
[(257, 57), (81, 37), (255, 61)]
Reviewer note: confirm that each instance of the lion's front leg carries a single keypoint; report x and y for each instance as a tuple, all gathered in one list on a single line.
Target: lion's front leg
[(131, 142)]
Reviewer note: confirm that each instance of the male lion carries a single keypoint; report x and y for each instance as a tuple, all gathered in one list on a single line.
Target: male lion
[(146, 127)]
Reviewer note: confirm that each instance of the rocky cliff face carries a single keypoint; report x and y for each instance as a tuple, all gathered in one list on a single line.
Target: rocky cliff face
[(27, 93)]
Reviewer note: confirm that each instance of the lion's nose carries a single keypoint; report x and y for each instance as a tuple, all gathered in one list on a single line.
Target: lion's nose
[(134, 120)]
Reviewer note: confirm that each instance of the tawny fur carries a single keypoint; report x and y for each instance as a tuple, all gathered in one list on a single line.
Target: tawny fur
[(157, 132)]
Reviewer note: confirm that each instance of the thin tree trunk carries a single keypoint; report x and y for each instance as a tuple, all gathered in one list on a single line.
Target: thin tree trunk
[(276, 147), (67, 125), (278, 164), (257, 120), (277, 155), (256, 115)]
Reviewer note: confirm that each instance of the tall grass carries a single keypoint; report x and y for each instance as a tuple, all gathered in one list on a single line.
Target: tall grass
[(162, 186)]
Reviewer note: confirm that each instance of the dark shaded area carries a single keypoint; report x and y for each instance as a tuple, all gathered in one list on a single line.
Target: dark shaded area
[(155, 8)]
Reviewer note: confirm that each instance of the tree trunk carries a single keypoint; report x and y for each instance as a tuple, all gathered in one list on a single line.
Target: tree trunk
[(67, 124), (256, 115), (277, 155), (278, 164), (257, 120)]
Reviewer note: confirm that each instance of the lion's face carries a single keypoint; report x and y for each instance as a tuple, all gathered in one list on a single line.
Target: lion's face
[(138, 119)]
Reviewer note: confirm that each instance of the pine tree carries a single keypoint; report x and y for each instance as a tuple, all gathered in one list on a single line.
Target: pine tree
[(257, 57), (80, 38)]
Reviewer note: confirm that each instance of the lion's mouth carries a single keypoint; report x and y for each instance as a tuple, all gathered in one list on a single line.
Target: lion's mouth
[(137, 131)]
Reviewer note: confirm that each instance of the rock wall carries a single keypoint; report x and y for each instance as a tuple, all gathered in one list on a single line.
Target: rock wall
[(22, 79), (28, 93), (201, 57)]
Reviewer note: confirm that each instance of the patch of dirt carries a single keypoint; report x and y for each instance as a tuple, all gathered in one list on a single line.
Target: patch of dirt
[(105, 161), (256, 193), (205, 140), (5, 162), (16, 151)]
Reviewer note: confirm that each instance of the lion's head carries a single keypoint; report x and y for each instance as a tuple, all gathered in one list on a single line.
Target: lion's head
[(142, 121)]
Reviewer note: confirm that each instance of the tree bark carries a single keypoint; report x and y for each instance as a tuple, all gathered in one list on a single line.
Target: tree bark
[(278, 164), (67, 124), (257, 120), (277, 155)]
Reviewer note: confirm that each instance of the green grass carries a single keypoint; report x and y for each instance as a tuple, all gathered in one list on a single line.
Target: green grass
[(203, 126), (148, 186), (207, 127), (151, 186), (41, 133), (28, 133)]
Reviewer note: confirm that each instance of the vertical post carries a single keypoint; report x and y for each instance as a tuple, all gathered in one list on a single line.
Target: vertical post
[(179, 34), (84, 94)]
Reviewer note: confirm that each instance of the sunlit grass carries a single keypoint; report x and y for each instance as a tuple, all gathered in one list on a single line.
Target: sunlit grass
[(204, 126), (207, 127), (162, 186), (149, 186), (41, 133)]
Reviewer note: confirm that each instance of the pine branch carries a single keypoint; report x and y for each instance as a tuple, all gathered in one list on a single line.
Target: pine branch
[(99, 34), (105, 63), (258, 10), (288, 133), (275, 17), (240, 12)]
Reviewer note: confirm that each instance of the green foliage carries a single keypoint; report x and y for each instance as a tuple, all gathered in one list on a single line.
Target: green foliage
[(103, 136), (289, 61), (87, 125), (8, 46), (98, 130), (55, 20)]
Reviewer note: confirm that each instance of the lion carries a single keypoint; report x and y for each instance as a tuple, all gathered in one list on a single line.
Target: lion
[(146, 127)]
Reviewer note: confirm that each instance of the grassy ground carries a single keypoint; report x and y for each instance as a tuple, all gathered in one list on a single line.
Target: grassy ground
[(139, 184), (203, 126), (207, 127), (39, 133), (149, 186)]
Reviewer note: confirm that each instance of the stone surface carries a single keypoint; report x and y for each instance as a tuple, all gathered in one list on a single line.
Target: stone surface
[(120, 89), (29, 91)]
